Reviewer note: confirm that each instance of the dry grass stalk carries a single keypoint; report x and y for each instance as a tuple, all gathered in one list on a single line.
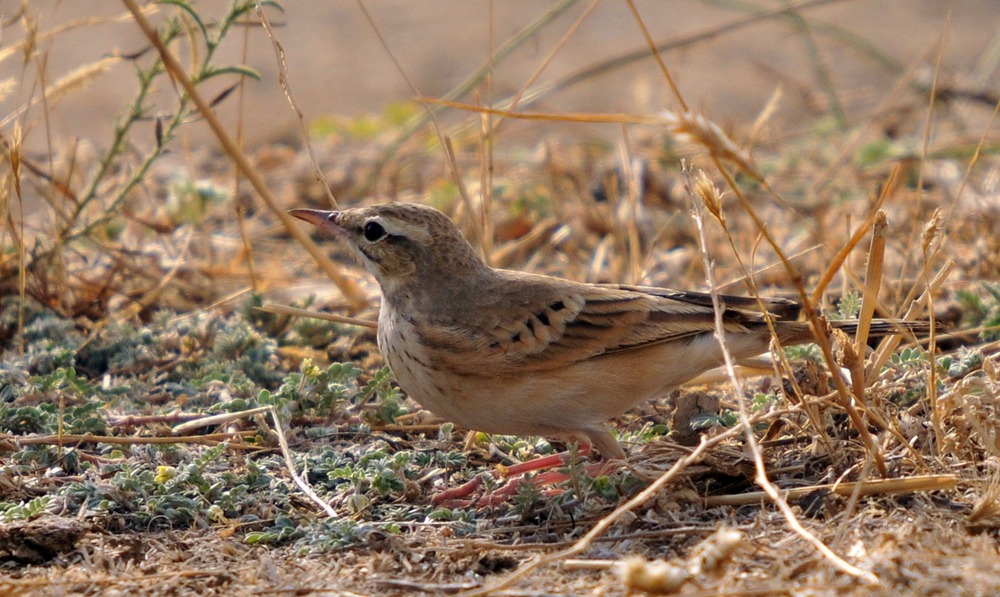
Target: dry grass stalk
[(513, 103), (30, 25), (841, 256), (17, 231), (220, 419), (6, 87), (302, 484), (33, 40), (808, 306), (463, 191), (445, 140), (890, 343), (873, 280), (210, 439), (852, 360), (656, 54), (770, 109), (869, 487), (745, 424), (76, 80), (700, 186), (931, 233), (628, 237), (284, 310), (587, 118), (710, 196), (347, 286), (486, 168), (279, 57)]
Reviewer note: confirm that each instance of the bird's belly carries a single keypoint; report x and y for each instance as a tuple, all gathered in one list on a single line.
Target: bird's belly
[(535, 404), (577, 397)]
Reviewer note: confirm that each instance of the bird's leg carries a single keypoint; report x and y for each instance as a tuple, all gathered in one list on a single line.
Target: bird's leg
[(550, 461), (602, 438), (546, 461), (599, 438), (511, 488)]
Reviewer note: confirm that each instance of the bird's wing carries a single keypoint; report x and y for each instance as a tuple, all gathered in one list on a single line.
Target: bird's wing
[(551, 326), (780, 308)]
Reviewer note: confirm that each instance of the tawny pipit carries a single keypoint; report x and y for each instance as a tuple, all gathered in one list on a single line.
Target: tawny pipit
[(508, 352)]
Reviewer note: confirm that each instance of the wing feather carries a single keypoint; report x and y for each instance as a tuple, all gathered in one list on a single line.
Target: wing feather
[(551, 326)]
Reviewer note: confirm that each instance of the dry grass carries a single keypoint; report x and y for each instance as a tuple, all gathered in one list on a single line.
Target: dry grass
[(126, 274)]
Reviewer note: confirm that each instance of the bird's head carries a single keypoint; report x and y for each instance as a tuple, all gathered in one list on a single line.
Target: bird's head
[(401, 244)]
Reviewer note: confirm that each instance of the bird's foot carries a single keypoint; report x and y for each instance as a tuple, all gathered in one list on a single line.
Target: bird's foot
[(453, 497)]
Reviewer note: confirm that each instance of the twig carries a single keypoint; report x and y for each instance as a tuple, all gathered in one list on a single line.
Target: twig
[(219, 419), (869, 487), (290, 462), (208, 440), (285, 310)]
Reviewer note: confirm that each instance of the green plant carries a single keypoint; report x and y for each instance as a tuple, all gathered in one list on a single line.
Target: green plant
[(982, 309), (93, 214)]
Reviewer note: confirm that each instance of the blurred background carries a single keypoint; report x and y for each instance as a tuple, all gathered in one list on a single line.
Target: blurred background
[(338, 67)]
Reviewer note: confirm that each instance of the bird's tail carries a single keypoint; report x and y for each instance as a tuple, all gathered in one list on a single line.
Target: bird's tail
[(885, 327), (799, 332)]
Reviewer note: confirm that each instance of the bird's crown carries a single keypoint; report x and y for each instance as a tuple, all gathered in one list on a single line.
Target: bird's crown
[(400, 241)]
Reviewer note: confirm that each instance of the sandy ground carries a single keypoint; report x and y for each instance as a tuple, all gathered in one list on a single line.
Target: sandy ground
[(338, 67), (916, 545)]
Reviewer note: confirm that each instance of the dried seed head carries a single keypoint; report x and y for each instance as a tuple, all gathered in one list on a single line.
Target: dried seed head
[(80, 78), (709, 194), (6, 87), (698, 130), (848, 355), (931, 231), (713, 553), (650, 576), (30, 25)]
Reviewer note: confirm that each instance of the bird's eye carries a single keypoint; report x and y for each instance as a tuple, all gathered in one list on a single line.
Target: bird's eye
[(373, 231)]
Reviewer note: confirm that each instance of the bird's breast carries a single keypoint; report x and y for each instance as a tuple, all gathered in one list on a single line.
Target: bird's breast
[(413, 366)]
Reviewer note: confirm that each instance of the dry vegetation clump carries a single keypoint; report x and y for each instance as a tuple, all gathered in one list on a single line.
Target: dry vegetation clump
[(133, 283)]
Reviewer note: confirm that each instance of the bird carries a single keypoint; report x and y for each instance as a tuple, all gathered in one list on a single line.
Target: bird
[(515, 353)]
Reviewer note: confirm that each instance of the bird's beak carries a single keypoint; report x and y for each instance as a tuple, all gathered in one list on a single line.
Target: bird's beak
[(326, 220)]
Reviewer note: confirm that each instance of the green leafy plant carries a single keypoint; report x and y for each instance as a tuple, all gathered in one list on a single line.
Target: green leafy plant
[(982, 309)]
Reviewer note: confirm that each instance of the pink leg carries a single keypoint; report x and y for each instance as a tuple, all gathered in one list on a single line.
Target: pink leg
[(545, 462), (510, 488)]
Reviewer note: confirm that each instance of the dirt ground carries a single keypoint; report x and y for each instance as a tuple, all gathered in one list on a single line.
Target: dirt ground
[(131, 292)]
